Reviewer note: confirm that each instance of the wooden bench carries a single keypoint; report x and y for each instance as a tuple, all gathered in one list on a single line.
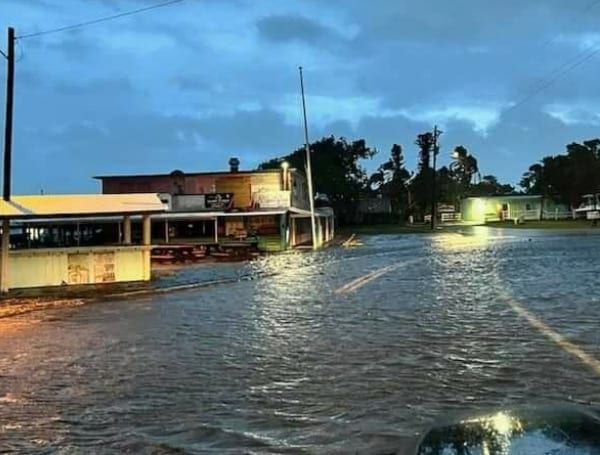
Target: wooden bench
[(162, 257)]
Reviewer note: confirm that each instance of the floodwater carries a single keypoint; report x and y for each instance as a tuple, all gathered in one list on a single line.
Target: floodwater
[(300, 355)]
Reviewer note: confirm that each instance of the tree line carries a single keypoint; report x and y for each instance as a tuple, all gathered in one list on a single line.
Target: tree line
[(339, 175), (566, 177)]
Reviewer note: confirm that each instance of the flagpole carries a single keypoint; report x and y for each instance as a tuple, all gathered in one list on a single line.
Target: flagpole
[(308, 168)]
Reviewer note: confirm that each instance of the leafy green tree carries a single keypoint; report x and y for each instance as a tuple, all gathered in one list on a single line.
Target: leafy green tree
[(391, 179), (532, 180), (464, 166), (566, 177), (450, 189), (336, 170), (420, 193), (490, 186), (419, 190), (584, 172), (425, 142)]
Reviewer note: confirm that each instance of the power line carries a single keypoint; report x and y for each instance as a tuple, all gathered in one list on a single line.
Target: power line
[(101, 19), (21, 52), (551, 81), (587, 9), (576, 57), (542, 80), (561, 70)]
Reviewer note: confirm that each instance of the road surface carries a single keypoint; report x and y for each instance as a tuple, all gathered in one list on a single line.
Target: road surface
[(341, 350)]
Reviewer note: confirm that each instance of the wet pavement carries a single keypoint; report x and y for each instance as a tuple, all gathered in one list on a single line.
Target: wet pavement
[(340, 351)]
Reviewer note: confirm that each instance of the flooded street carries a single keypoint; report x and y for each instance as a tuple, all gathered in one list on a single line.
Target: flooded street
[(333, 352)]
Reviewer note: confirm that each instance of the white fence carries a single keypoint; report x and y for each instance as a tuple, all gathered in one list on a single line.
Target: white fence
[(526, 215), (534, 215), (449, 217), (558, 214)]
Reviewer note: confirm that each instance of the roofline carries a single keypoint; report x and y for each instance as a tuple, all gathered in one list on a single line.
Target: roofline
[(192, 174), (58, 216), (521, 196), (161, 215)]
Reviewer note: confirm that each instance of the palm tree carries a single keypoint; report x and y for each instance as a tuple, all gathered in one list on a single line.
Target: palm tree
[(465, 166)]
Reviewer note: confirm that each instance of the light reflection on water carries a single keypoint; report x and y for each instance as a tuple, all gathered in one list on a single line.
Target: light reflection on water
[(282, 363)]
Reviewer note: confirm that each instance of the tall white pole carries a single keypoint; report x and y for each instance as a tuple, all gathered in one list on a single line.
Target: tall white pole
[(308, 168)]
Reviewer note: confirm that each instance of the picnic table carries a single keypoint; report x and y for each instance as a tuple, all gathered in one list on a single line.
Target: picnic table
[(236, 251), (178, 253)]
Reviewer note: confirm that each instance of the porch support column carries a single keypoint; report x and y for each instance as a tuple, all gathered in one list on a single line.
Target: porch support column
[(319, 231), (283, 231), (127, 230), (4, 285), (146, 240), (146, 230), (293, 232), (332, 227)]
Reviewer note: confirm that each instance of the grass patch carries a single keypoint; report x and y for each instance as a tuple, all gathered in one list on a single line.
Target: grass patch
[(269, 243), (545, 224)]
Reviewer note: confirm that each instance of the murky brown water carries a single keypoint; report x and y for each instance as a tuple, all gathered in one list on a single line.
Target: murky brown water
[(284, 364)]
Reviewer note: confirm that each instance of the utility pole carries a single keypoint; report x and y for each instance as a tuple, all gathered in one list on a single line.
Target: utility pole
[(8, 126), (10, 87), (313, 225), (436, 150)]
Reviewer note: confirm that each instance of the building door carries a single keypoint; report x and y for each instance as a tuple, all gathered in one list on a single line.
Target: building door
[(505, 215)]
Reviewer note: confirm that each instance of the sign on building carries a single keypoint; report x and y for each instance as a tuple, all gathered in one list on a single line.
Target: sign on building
[(189, 202), (219, 201), (271, 199)]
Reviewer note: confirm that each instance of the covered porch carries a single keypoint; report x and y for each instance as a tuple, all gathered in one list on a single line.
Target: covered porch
[(301, 230), (50, 240)]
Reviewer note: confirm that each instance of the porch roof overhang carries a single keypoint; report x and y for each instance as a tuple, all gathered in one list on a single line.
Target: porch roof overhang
[(63, 206), (165, 216), (302, 213)]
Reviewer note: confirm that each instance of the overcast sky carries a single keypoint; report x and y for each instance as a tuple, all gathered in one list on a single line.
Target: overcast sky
[(189, 85)]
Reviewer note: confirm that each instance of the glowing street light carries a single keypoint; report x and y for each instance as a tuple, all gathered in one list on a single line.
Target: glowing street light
[(285, 166)]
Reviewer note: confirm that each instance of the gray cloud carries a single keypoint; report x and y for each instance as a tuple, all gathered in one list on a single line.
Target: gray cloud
[(189, 85), (294, 27)]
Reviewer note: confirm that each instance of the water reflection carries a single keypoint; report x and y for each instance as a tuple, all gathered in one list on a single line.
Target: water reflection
[(475, 237), (282, 363)]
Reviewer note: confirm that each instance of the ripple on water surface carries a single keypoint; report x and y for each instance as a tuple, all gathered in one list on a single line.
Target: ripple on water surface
[(283, 362)]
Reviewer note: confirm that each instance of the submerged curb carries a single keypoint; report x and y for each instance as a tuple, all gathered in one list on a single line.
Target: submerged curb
[(20, 308)]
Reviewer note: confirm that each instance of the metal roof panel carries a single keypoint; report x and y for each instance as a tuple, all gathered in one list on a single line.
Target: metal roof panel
[(54, 205)]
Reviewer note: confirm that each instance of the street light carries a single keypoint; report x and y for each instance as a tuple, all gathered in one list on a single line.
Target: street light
[(284, 166)]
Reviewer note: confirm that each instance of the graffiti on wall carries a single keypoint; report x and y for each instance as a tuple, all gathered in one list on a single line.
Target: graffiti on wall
[(77, 269), (104, 267)]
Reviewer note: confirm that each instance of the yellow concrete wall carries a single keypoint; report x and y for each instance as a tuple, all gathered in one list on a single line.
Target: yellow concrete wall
[(88, 265)]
